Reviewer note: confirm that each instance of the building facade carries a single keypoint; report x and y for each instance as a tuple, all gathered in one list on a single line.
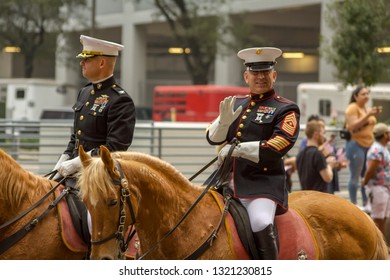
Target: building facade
[(292, 25)]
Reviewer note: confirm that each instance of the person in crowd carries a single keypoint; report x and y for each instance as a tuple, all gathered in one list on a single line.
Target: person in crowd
[(266, 127), (328, 147), (315, 171), (376, 179), (359, 120), (104, 113), (303, 143)]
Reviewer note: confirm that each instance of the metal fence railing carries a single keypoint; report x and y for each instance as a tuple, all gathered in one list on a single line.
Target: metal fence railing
[(37, 145)]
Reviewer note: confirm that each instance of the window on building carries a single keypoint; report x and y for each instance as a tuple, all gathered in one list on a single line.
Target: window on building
[(325, 107), (20, 93)]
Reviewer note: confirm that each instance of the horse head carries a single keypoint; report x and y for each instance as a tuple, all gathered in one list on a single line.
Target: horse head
[(105, 191)]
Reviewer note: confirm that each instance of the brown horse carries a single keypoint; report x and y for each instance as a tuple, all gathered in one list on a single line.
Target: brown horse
[(19, 190), (159, 195)]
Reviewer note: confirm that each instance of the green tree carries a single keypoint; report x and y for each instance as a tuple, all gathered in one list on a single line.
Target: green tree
[(201, 27), (360, 28), (27, 24)]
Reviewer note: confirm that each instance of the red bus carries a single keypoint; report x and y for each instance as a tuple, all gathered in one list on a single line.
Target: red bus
[(193, 103)]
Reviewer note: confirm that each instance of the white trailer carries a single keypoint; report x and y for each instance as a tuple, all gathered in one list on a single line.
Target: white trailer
[(329, 101), (25, 99)]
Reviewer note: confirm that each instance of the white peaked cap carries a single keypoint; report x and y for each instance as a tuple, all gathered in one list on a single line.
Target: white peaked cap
[(93, 46), (260, 59)]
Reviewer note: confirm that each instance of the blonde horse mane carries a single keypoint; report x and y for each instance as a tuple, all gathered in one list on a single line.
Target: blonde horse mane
[(17, 184), (95, 183)]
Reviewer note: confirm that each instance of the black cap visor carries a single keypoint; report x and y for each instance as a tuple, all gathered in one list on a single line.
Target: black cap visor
[(260, 66)]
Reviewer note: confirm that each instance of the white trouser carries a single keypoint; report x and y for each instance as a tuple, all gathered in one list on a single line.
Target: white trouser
[(89, 223), (261, 212)]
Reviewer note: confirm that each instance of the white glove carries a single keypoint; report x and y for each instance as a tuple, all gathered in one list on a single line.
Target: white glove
[(70, 167), (62, 158), (219, 128), (226, 114), (247, 150)]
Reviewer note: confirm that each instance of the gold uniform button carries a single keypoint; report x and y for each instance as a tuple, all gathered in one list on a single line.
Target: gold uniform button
[(244, 117), (81, 118), (261, 95), (114, 86), (265, 169), (79, 132), (238, 133), (92, 92), (248, 110), (94, 113), (241, 125), (253, 103), (87, 103)]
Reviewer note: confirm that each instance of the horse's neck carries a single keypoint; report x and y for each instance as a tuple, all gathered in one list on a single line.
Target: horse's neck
[(164, 201), (157, 219)]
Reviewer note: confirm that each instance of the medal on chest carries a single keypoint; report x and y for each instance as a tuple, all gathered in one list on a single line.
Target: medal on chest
[(100, 103), (264, 112)]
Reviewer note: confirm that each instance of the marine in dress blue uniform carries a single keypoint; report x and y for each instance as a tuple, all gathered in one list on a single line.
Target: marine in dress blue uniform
[(104, 115), (266, 126), (104, 111)]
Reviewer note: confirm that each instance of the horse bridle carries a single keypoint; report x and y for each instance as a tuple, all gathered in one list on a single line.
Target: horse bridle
[(125, 197), (119, 235)]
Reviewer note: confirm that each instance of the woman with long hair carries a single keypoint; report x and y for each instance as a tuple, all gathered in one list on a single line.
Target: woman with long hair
[(360, 121)]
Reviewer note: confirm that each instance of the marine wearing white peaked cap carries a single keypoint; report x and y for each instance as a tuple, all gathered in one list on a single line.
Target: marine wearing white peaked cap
[(260, 59), (93, 46)]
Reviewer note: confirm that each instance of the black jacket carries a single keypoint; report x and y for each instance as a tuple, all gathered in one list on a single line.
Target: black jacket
[(104, 115), (274, 121)]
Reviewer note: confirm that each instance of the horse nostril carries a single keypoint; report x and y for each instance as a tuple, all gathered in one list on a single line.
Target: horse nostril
[(107, 258)]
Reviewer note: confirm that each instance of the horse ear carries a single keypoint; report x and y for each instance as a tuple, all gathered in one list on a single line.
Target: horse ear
[(109, 162), (84, 157)]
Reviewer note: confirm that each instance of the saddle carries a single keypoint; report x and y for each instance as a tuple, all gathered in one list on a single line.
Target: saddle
[(74, 218), (78, 210), (296, 240), (69, 233)]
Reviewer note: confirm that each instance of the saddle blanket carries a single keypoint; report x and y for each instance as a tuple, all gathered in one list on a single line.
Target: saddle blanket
[(296, 241)]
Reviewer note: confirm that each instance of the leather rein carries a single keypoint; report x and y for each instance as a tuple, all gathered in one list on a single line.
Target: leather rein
[(17, 236)]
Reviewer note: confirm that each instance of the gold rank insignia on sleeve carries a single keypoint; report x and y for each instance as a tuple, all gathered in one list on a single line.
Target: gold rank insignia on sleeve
[(278, 143), (289, 124)]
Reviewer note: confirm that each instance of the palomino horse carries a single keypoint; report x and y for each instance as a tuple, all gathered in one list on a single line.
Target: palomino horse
[(19, 191), (124, 188)]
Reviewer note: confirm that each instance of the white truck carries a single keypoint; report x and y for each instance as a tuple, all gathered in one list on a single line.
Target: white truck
[(329, 101), (26, 99)]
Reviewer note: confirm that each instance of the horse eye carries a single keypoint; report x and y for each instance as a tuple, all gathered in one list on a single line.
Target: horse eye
[(112, 202)]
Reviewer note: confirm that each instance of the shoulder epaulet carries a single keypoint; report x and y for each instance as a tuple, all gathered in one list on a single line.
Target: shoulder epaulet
[(118, 89), (283, 99), (242, 96)]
